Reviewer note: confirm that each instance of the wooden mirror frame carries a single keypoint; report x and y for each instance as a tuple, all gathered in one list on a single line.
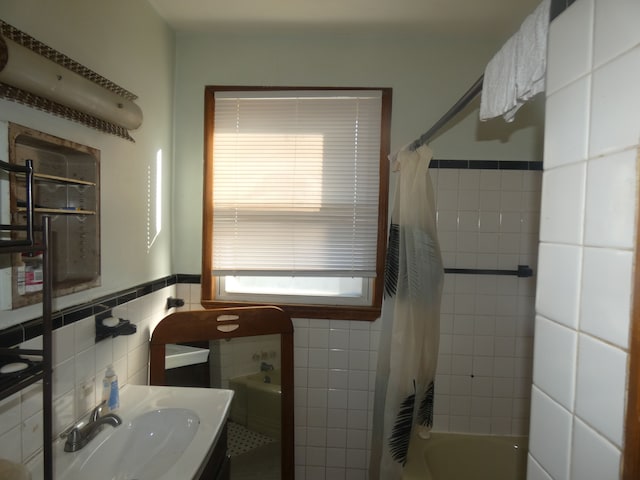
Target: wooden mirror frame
[(202, 325)]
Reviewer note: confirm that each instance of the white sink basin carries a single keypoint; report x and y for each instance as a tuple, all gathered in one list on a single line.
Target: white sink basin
[(144, 448), (167, 433)]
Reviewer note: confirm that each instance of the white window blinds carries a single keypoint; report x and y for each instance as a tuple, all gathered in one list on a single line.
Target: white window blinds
[(295, 183)]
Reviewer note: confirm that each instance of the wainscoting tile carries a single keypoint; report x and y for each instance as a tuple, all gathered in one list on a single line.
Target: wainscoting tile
[(559, 273), (550, 434), (613, 105), (567, 127), (593, 456), (606, 293), (600, 387), (610, 201), (535, 471), (563, 199), (615, 29), (555, 357), (571, 35), (63, 344), (10, 447)]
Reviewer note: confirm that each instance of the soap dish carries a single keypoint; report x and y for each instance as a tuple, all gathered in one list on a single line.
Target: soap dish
[(110, 328)]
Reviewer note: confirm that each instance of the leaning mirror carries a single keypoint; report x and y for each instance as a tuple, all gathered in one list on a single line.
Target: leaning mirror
[(250, 351)]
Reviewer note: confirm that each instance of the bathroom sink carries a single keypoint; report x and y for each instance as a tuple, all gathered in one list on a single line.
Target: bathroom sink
[(166, 433), (144, 448)]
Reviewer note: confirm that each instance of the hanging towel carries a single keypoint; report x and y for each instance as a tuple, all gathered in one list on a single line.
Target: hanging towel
[(517, 72), (499, 85), (532, 50)]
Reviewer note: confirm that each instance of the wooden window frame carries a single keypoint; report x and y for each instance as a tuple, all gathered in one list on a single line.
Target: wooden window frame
[(341, 312)]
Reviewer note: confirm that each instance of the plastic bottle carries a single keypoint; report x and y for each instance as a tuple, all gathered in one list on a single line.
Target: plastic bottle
[(110, 391)]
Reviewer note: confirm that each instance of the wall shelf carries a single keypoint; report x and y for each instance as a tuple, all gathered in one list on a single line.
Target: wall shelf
[(65, 180), (65, 185), (23, 379)]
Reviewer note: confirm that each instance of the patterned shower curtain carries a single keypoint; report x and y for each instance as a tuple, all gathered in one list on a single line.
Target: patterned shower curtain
[(408, 350)]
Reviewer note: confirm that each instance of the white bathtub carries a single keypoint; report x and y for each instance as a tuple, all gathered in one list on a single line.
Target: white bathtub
[(453, 456)]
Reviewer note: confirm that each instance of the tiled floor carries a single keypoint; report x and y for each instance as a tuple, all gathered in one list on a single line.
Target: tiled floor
[(242, 440)]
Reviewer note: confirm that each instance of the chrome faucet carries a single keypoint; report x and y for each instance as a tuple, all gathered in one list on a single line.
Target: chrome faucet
[(265, 367), (78, 437)]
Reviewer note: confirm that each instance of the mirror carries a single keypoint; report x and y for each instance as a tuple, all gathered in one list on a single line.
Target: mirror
[(248, 350)]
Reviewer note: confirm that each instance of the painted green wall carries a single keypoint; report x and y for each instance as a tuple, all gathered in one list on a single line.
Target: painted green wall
[(427, 74), (130, 45)]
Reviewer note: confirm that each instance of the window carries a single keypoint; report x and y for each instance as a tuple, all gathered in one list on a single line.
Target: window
[(295, 199)]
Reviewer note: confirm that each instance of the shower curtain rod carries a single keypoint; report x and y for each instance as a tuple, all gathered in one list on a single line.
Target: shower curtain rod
[(557, 7), (465, 100)]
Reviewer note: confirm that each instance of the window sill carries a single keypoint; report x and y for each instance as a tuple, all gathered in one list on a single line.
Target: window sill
[(329, 312)]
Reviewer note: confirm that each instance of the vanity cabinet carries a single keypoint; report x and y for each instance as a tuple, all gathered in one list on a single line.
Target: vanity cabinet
[(66, 188), (218, 466)]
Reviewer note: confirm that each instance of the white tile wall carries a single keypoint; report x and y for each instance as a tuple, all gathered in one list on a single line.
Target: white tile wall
[(593, 457), (567, 124), (561, 215), (600, 387), (486, 219), (79, 366), (585, 281), (558, 292), (613, 103), (606, 294), (535, 471), (570, 46), (550, 434), (555, 350), (615, 29), (334, 370), (610, 202)]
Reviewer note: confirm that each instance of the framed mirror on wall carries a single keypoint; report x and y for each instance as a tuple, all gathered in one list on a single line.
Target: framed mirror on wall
[(247, 350)]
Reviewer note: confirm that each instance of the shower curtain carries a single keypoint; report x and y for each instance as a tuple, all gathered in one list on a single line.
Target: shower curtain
[(408, 350)]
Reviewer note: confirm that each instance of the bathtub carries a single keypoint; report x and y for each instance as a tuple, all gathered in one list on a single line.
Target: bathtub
[(256, 402), (454, 456)]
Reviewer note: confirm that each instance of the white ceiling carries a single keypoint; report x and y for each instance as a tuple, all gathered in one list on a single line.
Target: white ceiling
[(495, 18)]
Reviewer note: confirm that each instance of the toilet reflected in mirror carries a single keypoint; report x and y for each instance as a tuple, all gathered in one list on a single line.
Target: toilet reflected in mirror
[(251, 360)]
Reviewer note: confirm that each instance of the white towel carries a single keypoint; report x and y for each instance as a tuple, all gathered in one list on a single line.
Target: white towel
[(517, 72), (532, 53), (499, 84)]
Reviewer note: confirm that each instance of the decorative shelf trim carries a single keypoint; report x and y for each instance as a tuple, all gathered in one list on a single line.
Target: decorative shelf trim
[(61, 211)]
